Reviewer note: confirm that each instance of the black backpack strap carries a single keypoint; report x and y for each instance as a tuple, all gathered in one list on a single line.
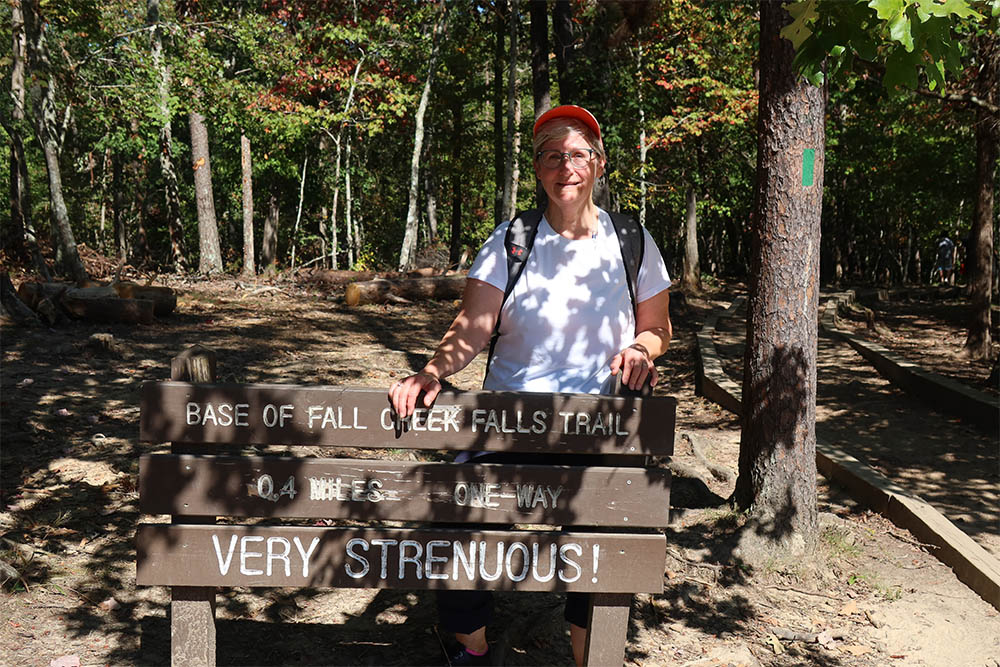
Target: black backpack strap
[(632, 241), (517, 244)]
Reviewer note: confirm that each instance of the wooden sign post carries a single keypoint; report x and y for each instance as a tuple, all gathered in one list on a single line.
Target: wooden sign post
[(594, 526)]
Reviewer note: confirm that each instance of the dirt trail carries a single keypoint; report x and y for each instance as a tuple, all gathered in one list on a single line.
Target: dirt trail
[(68, 516), (947, 462)]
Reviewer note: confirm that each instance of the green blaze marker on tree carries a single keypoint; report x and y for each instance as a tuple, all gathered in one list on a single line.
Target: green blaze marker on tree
[(808, 158)]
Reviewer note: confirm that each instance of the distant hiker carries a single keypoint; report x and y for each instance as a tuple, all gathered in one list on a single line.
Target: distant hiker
[(944, 265), (564, 298)]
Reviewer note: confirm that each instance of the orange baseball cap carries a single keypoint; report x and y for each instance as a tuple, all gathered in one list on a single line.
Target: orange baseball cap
[(569, 111)]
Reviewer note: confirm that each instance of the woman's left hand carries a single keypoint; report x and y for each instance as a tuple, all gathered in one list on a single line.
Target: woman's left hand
[(635, 366)]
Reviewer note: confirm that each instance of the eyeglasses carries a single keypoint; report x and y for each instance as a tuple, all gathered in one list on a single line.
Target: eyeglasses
[(551, 159)]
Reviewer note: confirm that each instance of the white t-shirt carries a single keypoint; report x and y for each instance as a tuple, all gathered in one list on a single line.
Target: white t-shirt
[(570, 311)]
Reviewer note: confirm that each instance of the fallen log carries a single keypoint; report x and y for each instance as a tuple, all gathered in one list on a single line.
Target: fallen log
[(164, 299), (33, 293), (416, 289), (107, 309), (12, 306)]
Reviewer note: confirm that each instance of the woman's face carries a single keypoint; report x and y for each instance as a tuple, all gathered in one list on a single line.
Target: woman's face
[(568, 184)]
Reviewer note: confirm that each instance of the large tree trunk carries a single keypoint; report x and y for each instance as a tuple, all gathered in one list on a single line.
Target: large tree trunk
[(249, 266), (21, 237), (172, 197), (507, 212), (46, 127), (269, 243), (692, 269), (777, 466), (977, 344), (409, 250), (562, 30), (348, 203), (209, 253), (540, 85)]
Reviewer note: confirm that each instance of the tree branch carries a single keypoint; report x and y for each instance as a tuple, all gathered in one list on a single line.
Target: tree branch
[(960, 97)]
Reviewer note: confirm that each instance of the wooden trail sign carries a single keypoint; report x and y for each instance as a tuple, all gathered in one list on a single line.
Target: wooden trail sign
[(398, 558), (404, 491), (475, 420)]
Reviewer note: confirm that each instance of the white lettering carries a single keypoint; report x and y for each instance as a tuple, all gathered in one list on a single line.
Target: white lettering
[(539, 498), (313, 416), (521, 429), (568, 561), (193, 412), (478, 419), (384, 572), (286, 413), (351, 544), (357, 489), (525, 564), (599, 424), (554, 494), (329, 418), (415, 558), (270, 415), (503, 422), (340, 417), (431, 559), (468, 562), (492, 420), (534, 563), (244, 554), (224, 564), (539, 424), (356, 424), (306, 555), (565, 416), (524, 494), (461, 494), (272, 555), (450, 417), (386, 419), (482, 562), (618, 426), (226, 414), (209, 414), (374, 495), (242, 414), (435, 420), (582, 418)]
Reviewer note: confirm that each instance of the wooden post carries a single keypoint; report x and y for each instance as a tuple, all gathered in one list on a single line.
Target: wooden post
[(608, 628), (192, 609)]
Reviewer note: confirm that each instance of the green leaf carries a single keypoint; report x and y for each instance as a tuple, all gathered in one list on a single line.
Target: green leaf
[(802, 12), (899, 30), (887, 9), (865, 47), (900, 71), (959, 8)]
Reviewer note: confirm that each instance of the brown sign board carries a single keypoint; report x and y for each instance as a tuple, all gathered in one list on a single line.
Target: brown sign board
[(181, 555), (474, 420), (368, 490)]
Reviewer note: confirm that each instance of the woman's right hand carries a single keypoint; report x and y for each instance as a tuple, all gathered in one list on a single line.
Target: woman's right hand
[(403, 394)]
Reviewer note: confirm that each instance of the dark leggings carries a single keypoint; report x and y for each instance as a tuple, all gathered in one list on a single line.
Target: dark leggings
[(467, 611)]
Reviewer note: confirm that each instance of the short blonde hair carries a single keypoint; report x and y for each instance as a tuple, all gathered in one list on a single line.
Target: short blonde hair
[(558, 128)]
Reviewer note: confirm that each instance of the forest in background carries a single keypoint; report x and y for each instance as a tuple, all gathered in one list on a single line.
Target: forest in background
[(154, 109)]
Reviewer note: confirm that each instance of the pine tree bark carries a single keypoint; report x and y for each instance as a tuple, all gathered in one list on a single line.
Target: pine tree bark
[(209, 253), (409, 249), (978, 342), (246, 167), (562, 31), (692, 269), (46, 124), (777, 464), (541, 90), (172, 197), (348, 203), (643, 146)]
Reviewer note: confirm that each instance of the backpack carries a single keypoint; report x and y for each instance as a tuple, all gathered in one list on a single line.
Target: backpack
[(520, 238)]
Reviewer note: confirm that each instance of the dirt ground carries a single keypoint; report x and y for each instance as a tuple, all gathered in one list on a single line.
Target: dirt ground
[(869, 595)]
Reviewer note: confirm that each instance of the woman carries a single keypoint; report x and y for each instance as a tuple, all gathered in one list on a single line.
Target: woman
[(567, 326)]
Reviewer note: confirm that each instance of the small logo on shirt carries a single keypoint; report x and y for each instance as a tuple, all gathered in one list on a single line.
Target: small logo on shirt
[(517, 251)]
